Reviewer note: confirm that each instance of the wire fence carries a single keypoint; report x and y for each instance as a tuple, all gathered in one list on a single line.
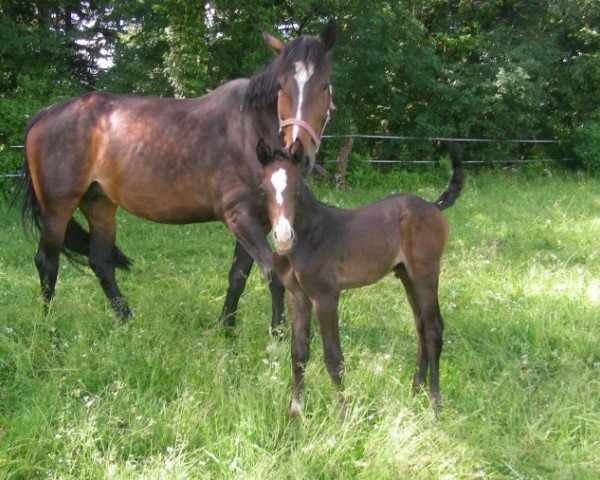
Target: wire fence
[(451, 139), (438, 139), (415, 162)]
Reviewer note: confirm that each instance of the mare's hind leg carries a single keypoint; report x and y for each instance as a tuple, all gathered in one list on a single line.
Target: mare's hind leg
[(100, 213), (422, 294), (53, 228)]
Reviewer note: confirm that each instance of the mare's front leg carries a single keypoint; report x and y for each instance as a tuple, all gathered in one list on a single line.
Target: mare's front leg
[(253, 245), (238, 274), (326, 309)]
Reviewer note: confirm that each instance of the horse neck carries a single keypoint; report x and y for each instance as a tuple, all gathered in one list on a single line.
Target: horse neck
[(265, 125), (310, 213)]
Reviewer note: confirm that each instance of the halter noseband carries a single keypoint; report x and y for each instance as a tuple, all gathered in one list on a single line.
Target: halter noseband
[(305, 125)]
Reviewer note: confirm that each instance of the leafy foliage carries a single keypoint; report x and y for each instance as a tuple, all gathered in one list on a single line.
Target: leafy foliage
[(587, 143), (477, 68)]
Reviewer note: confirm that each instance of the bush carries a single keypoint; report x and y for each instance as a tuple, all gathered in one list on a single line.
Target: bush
[(361, 171), (10, 162), (587, 143)]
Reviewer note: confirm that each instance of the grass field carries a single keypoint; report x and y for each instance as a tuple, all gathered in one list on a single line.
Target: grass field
[(170, 396)]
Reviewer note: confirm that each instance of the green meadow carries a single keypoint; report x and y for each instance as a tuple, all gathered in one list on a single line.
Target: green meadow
[(170, 396)]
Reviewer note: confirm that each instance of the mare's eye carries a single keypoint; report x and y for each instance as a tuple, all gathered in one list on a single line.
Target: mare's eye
[(326, 86), (278, 86)]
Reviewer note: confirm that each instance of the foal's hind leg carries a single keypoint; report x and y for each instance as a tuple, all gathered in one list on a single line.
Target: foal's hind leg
[(421, 291), (326, 311), (100, 213)]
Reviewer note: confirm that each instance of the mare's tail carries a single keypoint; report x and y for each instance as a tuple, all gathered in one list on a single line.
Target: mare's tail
[(76, 245), (457, 180)]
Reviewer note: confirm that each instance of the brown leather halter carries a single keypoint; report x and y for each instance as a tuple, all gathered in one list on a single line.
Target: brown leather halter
[(305, 125)]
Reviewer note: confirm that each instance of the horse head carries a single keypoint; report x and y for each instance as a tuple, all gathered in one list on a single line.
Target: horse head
[(304, 91), (281, 182)]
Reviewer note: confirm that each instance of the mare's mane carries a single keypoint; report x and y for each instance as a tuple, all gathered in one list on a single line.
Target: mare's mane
[(262, 89)]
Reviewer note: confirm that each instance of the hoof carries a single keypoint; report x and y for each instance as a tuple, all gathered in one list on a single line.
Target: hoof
[(230, 331), (343, 402), (295, 409), (125, 315), (228, 321), (121, 309), (436, 405), (277, 333)]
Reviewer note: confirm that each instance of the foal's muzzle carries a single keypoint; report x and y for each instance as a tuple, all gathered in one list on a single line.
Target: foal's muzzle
[(283, 236)]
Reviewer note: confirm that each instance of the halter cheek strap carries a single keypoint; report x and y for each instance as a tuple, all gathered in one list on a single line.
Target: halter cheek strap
[(305, 125)]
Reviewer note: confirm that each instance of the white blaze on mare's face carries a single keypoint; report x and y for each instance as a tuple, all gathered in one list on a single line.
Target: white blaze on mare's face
[(282, 231), (302, 75)]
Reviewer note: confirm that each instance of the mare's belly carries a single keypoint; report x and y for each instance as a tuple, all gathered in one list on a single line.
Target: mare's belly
[(162, 202)]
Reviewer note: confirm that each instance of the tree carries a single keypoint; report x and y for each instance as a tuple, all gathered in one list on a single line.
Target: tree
[(477, 68)]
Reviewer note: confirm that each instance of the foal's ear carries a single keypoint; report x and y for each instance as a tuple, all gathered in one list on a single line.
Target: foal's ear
[(263, 152), (297, 152), (328, 35), (273, 43)]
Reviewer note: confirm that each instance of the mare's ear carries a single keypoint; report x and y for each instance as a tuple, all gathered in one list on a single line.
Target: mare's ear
[(273, 43), (328, 35), (297, 152), (263, 152)]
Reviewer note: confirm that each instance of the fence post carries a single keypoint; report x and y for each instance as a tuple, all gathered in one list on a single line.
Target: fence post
[(342, 165)]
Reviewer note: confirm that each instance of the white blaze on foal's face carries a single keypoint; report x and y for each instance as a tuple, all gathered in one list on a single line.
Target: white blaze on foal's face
[(302, 75), (282, 230)]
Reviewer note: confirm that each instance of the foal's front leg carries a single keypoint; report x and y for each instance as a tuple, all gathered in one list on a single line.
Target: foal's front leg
[(300, 310)]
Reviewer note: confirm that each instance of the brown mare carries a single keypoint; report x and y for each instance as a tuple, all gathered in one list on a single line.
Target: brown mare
[(172, 161), (321, 250)]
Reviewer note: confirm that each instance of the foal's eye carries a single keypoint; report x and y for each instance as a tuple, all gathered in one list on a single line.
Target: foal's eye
[(326, 86)]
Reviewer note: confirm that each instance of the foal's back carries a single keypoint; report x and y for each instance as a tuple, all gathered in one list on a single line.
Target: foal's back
[(369, 242)]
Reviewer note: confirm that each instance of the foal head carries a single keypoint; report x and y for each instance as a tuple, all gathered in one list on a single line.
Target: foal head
[(281, 184), (301, 76)]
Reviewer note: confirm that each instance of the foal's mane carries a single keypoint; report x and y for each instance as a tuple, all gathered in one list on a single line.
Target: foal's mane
[(262, 89)]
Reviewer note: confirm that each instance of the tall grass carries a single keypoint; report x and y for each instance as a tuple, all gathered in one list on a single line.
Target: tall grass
[(168, 395)]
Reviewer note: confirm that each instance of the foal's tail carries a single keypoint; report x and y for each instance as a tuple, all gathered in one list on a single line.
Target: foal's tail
[(457, 180), (76, 244)]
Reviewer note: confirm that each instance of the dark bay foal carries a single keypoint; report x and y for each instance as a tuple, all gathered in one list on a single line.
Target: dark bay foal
[(321, 250)]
